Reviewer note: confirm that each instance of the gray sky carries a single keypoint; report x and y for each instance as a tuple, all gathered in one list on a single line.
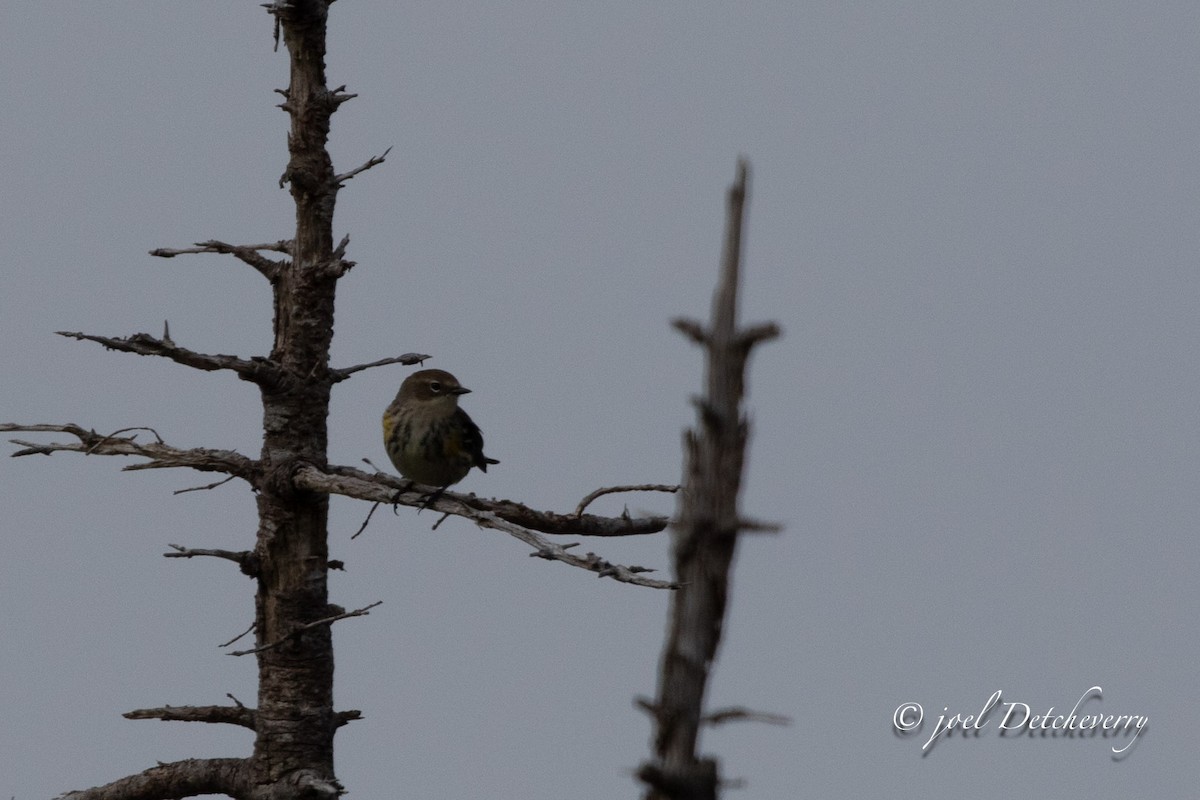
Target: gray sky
[(976, 223)]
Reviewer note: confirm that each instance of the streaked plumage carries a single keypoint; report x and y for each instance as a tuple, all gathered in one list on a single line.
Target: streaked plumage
[(428, 437)]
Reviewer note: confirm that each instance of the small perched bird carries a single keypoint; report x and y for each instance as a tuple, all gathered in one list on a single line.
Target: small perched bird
[(428, 437)]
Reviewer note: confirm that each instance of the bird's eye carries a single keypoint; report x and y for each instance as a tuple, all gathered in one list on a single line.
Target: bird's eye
[(435, 386)]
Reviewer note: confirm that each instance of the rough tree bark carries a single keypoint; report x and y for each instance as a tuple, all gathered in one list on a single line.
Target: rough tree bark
[(295, 720), (704, 536)]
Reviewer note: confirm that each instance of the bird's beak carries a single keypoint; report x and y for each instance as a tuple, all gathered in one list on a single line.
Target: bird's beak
[(460, 390)]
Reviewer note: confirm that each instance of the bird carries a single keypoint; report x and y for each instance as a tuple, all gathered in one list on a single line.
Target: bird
[(429, 439)]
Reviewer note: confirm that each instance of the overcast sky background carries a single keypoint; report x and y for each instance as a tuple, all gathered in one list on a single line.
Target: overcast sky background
[(975, 221)]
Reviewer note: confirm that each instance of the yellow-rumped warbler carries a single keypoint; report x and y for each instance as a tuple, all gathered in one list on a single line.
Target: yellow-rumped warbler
[(428, 437)]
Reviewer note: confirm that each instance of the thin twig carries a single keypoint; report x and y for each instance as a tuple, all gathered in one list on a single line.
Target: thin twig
[(724, 715), (407, 359), (370, 513), (358, 612), (113, 435), (246, 632), (237, 556), (747, 525), (256, 370), (641, 487), (160, 456), (246, 560), (205, 488), (373, 161)]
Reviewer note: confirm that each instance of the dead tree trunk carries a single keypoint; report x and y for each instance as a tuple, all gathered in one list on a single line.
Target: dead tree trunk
[(295, 722), (704, 537)]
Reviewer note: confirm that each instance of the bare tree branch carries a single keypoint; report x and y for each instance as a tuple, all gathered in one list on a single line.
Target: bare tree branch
[(342, 374), (206, 487), (641, 487), (366, 521), (246, 632), (544, 548), (237, 556), (339, 96), (514, 519), (384, 488), (517, 520), (308, 626), (373, 161), (245, 559), (738, 714), (227, 776), (705, 535), (692, 329), (256, 370), (248, 253), (747, 525), (160, 455), (570, 524), (230, 715)]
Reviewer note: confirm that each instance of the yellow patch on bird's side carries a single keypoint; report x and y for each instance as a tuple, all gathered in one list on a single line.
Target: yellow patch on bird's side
[(452, 442)]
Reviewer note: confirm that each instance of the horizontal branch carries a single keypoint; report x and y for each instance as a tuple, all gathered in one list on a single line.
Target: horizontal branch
[(743, 339), (256, 370), (738, 714), (513, 518), (721, 716), (160, 454), (207, 487), (384, 488), (232, 715), (229, 715), (516, 519), (245, 559), (248, 253), (226, 776), (641, 487), (570, 524), (407, 359)]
